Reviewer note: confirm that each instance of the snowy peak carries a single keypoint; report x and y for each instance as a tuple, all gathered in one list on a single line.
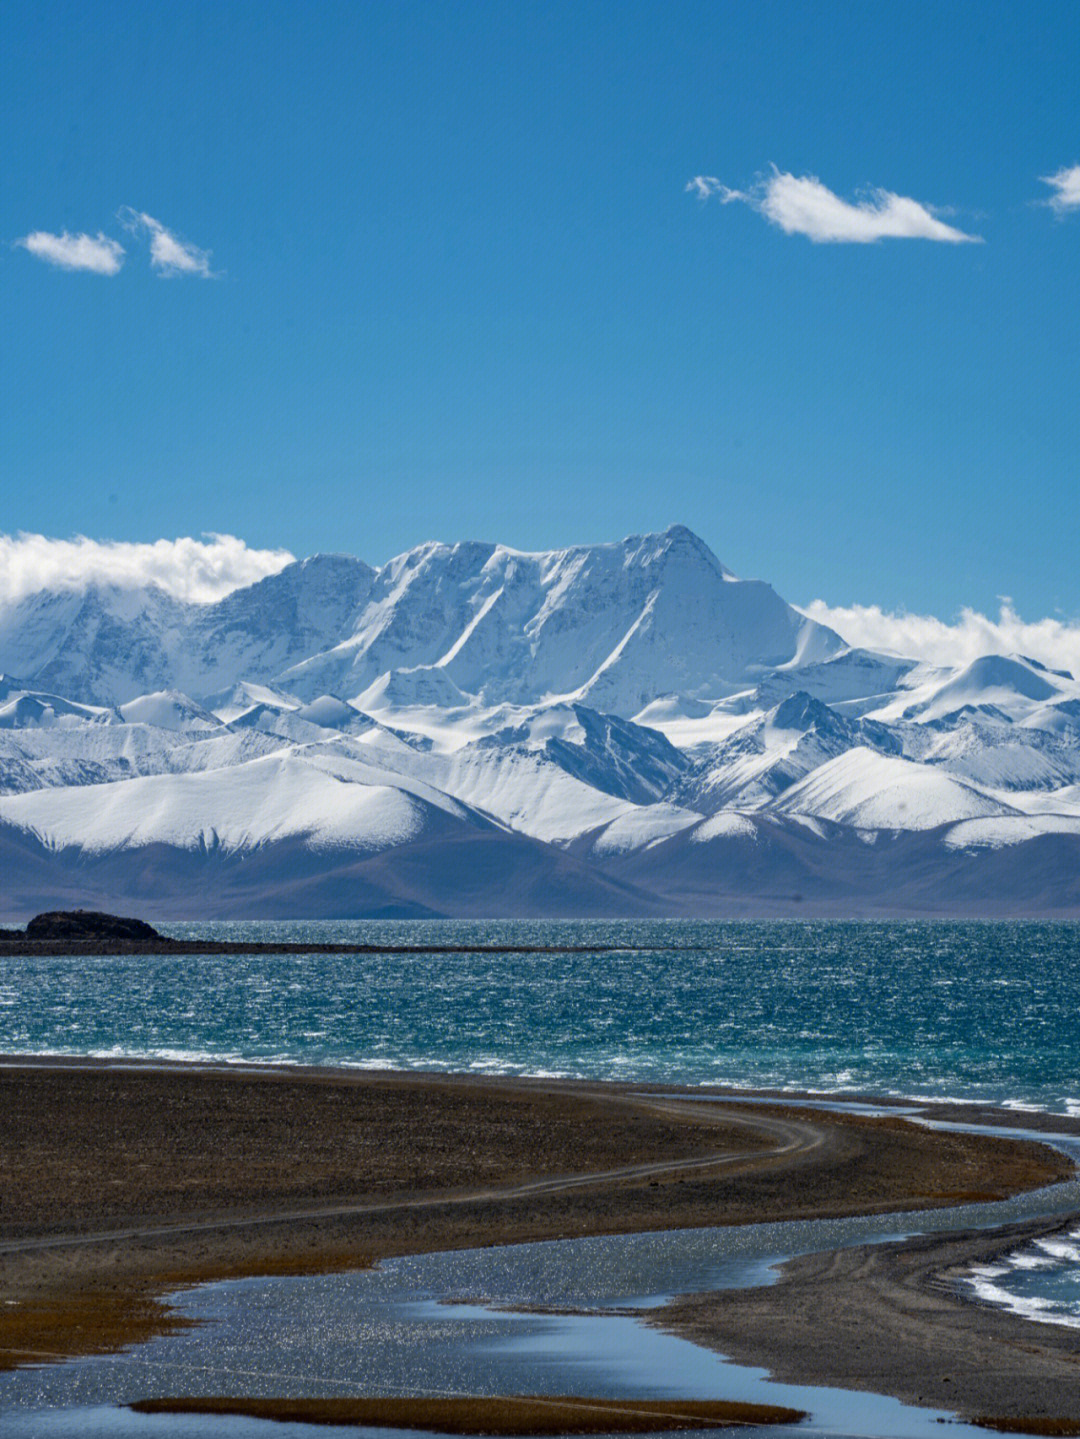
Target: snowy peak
[(476, 729), (609, 754), (802, 713), (169, 710), (312, 598), (611, 625), (676, 545), (869, 791), (97, 645), (775, 750), (330, 712), (29, 710), (1009, 683), (850, 677), (107, 644)]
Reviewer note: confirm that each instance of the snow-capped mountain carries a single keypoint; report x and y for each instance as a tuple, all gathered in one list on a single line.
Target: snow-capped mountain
[(469, 729), (107, 645), (442, 624)]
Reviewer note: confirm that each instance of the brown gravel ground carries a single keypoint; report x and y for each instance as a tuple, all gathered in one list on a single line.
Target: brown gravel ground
[(117, 1184)]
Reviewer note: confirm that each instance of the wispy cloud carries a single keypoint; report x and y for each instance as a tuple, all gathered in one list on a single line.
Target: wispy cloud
[(169, 255), (96, 254), (201, 570), (705, 185), (802, 205), (1066, 187), (1053, 642)]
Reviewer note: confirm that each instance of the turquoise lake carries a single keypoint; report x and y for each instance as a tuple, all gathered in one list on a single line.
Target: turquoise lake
[(963, 1010)]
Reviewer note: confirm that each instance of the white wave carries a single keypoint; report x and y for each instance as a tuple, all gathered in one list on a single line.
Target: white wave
[(1060, 1249), (989, 1282), (1024, 1260), (1027, 1307)]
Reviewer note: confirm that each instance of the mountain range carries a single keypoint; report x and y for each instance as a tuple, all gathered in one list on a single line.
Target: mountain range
[(469, 730)]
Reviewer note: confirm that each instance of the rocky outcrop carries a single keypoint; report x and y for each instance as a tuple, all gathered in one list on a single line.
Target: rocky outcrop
[(88, 926)]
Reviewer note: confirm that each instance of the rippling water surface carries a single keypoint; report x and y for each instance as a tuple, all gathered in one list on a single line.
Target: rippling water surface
[(1040, 1280), (974, 1011)]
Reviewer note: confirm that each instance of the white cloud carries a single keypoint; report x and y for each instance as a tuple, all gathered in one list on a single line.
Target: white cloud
[(1066, 184), (705, 185), (169, 255), (97, 254), (1053, 642), (201, 570), (802, 205)]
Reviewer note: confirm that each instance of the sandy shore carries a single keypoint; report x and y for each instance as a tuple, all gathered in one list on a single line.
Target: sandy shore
[(118, 1183)]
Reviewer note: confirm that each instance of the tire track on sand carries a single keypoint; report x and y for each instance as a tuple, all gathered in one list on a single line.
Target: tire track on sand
[(792, 1139)]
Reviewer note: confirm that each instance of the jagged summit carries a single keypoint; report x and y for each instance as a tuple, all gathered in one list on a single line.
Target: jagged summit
[(801, 711), (613, 625)]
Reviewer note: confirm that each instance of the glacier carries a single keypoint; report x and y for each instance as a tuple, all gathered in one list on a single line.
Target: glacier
[(471, 730)]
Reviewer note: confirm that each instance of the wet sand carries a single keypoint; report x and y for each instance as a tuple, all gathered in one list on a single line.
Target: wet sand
[(888, 1318), (121, 1182)]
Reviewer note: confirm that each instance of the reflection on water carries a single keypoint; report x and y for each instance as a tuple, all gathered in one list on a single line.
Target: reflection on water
[(389, 1330)]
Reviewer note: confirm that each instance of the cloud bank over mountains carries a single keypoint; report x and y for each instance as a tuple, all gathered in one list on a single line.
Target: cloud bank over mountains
[(198, 570), (1053, 642)]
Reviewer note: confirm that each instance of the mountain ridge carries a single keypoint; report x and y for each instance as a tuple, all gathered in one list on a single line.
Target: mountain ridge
[(473, 729)]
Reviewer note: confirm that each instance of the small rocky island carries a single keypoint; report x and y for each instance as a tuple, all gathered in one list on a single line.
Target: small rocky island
[(85, 931), (88, 926)]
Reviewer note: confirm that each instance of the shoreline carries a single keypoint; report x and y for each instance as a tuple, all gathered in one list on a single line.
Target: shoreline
[(158, 1175), (1009, 1114), (889, 1318)]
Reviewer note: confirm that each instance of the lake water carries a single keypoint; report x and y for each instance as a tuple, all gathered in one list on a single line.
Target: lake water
[(969, 1011), (938, 1010)]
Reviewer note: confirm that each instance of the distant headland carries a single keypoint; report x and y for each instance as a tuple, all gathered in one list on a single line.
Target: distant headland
[(85, 931)]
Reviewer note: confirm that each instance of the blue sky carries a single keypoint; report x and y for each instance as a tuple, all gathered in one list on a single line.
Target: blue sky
[(398, 271)]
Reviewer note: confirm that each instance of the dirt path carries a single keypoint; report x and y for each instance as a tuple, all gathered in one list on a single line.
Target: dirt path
[(788, 1139)]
